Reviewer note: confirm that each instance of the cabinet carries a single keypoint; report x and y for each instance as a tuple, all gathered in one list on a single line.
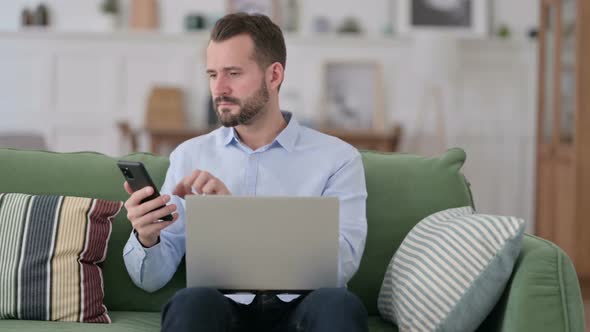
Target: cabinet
[(563, 130)]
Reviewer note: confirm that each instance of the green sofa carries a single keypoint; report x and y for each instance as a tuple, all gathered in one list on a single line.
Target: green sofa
[(543, 293)]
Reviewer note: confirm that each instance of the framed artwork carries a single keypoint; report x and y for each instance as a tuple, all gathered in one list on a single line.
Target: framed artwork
[(353, 96), (461, 17), (270, 8)]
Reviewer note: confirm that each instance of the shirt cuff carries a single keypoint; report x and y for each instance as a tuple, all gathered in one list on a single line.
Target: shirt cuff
[(136, 236), (136, 254)]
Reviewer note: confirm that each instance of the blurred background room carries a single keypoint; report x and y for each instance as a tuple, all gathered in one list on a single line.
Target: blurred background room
[(498, 78)]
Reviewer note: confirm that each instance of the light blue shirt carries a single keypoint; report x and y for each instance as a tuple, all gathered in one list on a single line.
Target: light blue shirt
[(299, 162)]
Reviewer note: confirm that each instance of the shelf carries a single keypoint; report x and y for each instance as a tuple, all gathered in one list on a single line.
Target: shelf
[(294, 39)]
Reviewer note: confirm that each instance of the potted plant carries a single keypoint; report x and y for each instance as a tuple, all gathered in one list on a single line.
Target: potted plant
[(110, 13)]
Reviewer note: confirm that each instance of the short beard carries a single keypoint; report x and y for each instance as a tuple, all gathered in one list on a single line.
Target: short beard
[(249, 110)]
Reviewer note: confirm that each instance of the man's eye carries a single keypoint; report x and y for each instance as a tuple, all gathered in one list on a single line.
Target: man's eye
[(234, 74), (211, 76)]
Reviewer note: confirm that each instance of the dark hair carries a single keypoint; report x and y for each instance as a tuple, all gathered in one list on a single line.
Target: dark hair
[(269, 44)]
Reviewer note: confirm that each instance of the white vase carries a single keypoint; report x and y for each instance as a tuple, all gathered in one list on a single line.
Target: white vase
[(107, 22)]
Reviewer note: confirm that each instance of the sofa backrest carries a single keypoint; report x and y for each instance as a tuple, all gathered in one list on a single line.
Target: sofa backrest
[(95, 175), (402, 189)]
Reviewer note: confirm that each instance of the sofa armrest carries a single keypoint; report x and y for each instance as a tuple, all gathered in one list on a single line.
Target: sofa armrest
[(543, 293)]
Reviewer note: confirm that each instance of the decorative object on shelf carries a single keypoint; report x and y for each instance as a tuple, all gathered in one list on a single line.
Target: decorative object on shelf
[(269, 8), (353, 96), (350, 25), (110, 10), (144, 14), (291, 15), (110, 7), (41, 15), (321, 24), (461, 17), (26, 17), (436, 76), (533, 33), (388, 27), (503, 31), (165, 108), (195, 22)]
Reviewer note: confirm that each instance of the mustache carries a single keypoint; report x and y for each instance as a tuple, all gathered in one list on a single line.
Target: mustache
[(226, 99)]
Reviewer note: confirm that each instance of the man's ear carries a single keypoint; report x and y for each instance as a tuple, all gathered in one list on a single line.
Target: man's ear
[(275, 74)]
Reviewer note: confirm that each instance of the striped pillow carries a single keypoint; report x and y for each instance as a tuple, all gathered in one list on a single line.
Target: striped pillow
[(450, 271), (49, 248)]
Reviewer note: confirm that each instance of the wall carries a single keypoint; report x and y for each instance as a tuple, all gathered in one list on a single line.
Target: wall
[(76, 85), (83, 15)]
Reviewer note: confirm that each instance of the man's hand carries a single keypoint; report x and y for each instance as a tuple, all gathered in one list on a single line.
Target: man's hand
[(145, 222), (202, 182)]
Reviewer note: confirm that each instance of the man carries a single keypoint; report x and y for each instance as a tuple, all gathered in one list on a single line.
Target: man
[(258, 151)]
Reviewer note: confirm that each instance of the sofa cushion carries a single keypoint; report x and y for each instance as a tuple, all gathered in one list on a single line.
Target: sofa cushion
[(134, 322), (450, 270), (402, 190), (49, 248), (378, 324), (122, 321)]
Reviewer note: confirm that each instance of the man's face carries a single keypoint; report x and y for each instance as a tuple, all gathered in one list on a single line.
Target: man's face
[(236, 81)]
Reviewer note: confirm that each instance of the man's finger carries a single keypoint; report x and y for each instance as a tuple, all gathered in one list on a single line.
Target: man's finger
[(200, 181), (139, 195), (184, 187), (153, 217), (156, 227), (127, 188), (211, 187), (153, 204), (180, 190)]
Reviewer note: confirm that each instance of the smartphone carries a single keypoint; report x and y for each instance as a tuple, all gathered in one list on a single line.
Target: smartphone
[(138, 178)]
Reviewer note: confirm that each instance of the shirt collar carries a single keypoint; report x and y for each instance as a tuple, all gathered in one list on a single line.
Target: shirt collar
[(228, 136), (286, 138)]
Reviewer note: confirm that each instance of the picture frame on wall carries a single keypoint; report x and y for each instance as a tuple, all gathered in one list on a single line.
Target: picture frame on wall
[(353, 96), (467, 18), (270, 8)]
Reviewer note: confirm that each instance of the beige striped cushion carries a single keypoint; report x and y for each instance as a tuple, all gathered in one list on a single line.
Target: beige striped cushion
[(49, 250), (450, 270)]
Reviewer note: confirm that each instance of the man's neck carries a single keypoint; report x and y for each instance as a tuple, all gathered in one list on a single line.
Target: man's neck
[(263, 130)]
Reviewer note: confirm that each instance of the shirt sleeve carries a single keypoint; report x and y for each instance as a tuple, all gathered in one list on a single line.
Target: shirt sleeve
[(152, 268), (348, 184)]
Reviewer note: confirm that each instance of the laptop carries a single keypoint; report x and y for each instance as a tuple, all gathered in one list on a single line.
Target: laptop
[(283, 244)]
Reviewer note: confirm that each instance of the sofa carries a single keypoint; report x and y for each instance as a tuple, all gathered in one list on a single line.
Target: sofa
[(543, 293)]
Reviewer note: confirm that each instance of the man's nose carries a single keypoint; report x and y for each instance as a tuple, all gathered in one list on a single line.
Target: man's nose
[(221, 87)]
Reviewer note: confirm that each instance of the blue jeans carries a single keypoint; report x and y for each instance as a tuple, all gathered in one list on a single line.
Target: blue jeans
[(205, 309)]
